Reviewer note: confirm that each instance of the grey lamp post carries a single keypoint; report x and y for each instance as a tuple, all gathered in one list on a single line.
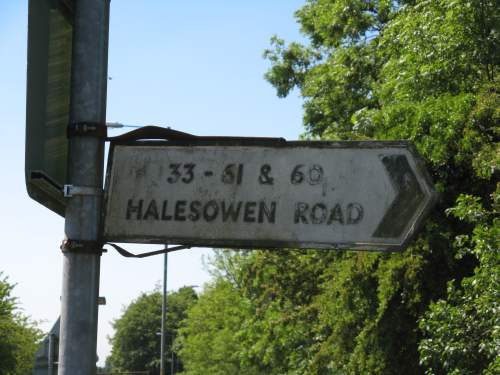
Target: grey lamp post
[(163, 313)]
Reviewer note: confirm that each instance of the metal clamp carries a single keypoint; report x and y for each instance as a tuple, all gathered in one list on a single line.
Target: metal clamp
[(87, 129), (82, 246), (70, 190)]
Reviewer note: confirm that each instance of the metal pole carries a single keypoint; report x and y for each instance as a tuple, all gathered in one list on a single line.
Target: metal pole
[(163, 314), (172, 366), (50, 355), (80, 290)]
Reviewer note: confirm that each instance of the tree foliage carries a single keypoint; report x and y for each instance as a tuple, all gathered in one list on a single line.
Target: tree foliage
[(209, 340), (19, 336), (421, 70), (426, 71), (462, 333), (136, 343)]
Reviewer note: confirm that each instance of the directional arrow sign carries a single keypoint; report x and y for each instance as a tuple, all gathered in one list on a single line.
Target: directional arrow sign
[(358, 195)]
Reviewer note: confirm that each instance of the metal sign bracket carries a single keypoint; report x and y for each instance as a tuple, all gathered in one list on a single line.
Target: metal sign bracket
[(152, 132), (82, 246), (128, 254), (87, 129), (70, 191)]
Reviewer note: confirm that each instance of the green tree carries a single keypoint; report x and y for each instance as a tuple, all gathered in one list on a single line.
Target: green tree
[(462, 333), (210, 342), (282, 333), (136, 343), (19, 336), (425, 71)]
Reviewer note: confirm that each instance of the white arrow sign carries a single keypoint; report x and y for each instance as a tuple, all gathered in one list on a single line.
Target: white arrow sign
[(359, 195)]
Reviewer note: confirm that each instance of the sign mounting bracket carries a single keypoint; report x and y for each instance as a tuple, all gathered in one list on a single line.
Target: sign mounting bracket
[(70, 191)]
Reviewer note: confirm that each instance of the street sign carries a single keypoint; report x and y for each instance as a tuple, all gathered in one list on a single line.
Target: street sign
[(357, 195), (47, 100)]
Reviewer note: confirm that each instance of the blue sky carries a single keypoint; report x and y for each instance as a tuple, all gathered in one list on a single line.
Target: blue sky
[(195, 66)]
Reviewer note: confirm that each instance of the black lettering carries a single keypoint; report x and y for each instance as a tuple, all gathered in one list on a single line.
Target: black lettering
[(265, 175), (189, 171), (336, 215), (239, 176), (213, 207), (297, 175), (152, 211), (228, 174), (164, 215), (231, 211), (131, 209), (355, 213), (249, 216), (270, 213), (180, 209), (174, 170), (194, 209), (315, 218), (300, 210), (315, 174)]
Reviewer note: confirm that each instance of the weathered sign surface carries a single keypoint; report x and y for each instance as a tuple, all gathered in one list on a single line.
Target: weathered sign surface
[(360, 195)]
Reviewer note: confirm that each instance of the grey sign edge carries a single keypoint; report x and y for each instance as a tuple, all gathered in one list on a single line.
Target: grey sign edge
[(423, 177)]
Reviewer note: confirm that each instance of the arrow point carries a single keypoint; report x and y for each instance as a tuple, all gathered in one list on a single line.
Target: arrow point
[(409, 196)]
